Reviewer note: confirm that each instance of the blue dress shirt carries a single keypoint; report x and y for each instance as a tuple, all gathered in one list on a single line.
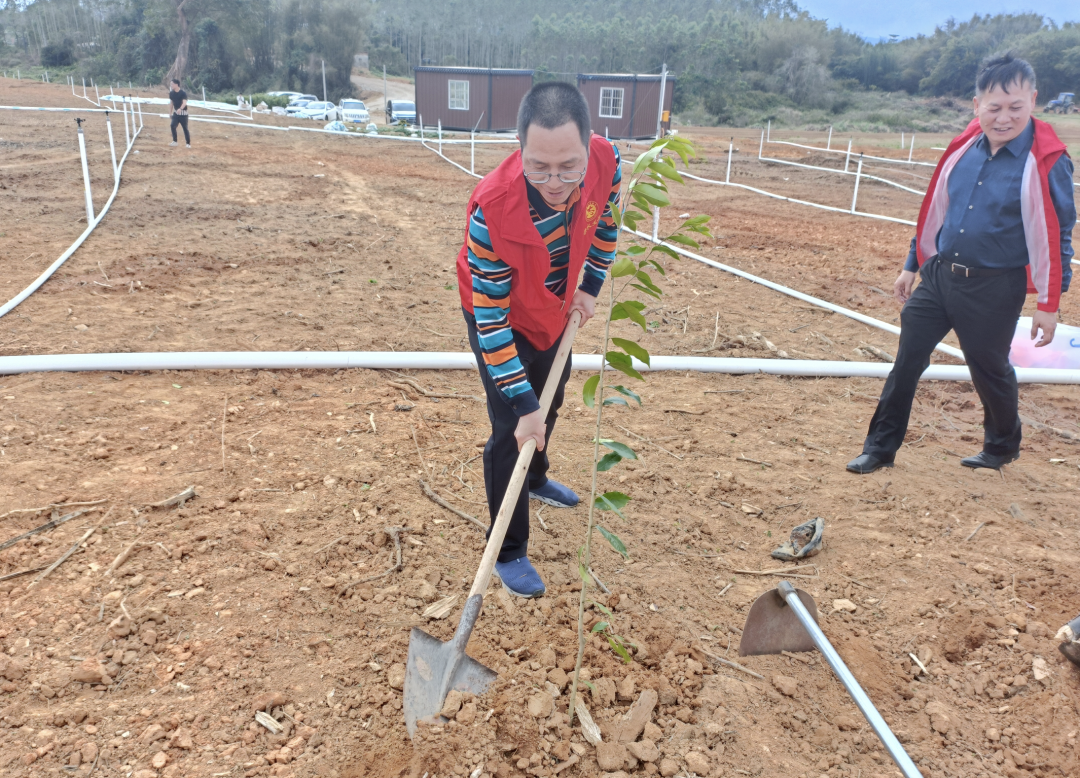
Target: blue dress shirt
[(983, 225)]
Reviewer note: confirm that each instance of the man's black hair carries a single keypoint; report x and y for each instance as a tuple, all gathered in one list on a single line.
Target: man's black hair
[(176, 81), (553, 104), (1004, 70)]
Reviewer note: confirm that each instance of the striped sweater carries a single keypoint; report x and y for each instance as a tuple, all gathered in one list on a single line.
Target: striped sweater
[(491, 283)]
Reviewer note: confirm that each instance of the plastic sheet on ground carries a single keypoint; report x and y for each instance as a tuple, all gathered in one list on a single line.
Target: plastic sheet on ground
[(336, 127), (1063, 351)]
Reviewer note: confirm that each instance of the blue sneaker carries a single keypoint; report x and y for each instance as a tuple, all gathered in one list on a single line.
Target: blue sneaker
[(554, 493), (520, 578)]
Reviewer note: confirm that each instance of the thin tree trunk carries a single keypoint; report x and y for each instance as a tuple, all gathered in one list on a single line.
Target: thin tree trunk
[(180, 65)]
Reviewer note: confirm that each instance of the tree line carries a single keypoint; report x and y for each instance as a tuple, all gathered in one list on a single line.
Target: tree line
[(727, 55)]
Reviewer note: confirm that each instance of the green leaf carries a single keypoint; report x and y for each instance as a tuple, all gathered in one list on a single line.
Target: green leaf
[(588, 392), (621, 449), (696, 221), (623, 267), (615, 542), (584, 573), (635, 251), (625, 310), (600, 626), (602, 608), (627, 393), (611, 501), (619, 649), (607, 462), (658, 266), (643, 160), (616, 214), (592, 686), (652, 194), (667, 250), (633, 349), (682, 240), (646, 279), (647, 291), (616, 401), (666, 169), (631, 219), (623, 364)]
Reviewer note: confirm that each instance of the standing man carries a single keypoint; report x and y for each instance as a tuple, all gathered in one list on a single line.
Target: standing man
[(535, 223), (179, 111), (996, 221)]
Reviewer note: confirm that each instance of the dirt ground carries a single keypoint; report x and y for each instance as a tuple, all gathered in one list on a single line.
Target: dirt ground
[(252, 594)]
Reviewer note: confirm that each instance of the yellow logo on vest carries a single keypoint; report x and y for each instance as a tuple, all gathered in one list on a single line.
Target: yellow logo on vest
[(590, 210)]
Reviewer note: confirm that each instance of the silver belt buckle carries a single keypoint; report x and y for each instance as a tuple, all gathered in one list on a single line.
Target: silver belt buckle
[(965, 267)]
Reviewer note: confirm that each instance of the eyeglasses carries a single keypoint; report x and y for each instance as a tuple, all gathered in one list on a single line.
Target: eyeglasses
[(567, 177)]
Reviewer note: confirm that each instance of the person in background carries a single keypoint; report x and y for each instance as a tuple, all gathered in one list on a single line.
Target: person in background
[(178, 97), (996, 222), (536, 224)]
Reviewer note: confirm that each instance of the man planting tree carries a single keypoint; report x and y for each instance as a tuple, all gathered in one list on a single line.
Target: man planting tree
[(535, 223), (996, 221)]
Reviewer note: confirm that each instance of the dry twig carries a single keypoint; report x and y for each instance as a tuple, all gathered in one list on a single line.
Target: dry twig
[(53, 506), (732, 665), (121, 558), (176, 499), (67, 554), (45, 527), (431, 495)]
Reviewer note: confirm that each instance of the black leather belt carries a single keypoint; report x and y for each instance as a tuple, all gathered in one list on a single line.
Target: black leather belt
[(976, 272)]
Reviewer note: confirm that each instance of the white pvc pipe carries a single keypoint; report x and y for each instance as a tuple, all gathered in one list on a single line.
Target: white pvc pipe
[(859, 317), (847, 159), (730, 148), (797, 201), (443, 360), (462, 168), (440, 136), (86, 178), (127, 137), (855, 194), (912, 149), (838, 151), (841, 172), (36, 284), (828, 144), (112, 147)]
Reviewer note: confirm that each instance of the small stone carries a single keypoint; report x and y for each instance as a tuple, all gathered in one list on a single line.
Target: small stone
[(268, 701), (558, 677), (149, 636), (292, 569), (89, 752), (395, 676), (160, 760), (668, 767), (844, 605), (144, 774), (644, 750), (452, 703), (846, 723), (467, 714), (611, 756), (698, 762), (626, 688), (546, 657), (993, 734), (11, 668), (212, 663), (652, 732), (89, 670), (785, 684), (328, 582), (541, 705), (1040, 669), (604, 693), (181, 738)]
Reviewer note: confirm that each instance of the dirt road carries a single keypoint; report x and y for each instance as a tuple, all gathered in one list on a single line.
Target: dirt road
[(371, 88)]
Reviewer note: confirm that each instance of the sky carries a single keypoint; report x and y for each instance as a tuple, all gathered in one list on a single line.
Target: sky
[(913, 17)]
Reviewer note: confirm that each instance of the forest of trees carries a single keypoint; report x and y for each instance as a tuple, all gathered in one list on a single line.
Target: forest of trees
[(729, 56)]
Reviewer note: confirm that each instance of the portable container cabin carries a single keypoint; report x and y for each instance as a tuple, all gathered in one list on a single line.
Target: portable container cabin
[(462, 97), (625, 105)]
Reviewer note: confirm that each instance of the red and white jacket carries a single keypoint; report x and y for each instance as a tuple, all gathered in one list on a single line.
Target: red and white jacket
[(1041, 227)]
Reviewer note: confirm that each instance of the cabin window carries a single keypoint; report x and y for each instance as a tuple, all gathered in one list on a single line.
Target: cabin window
[(611, 101), (459, 95)]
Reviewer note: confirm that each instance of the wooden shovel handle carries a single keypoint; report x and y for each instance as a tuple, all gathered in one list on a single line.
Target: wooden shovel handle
[(521, 468)]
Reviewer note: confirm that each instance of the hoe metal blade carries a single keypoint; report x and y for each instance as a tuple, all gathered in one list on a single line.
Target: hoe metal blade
[(435, 668), (772, 626)]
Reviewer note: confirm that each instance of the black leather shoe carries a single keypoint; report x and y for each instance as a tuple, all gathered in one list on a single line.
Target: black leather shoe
[(991, 461), (864, 464)]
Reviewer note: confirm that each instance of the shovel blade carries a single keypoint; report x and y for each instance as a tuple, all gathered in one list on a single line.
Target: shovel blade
[(772, 627), (435, 668)]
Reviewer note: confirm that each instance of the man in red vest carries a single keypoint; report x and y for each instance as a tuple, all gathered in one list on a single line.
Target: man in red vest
[(996, 221), (537, 223)]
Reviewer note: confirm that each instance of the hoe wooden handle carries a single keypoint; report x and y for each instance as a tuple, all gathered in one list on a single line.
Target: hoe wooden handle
[(521, 468)]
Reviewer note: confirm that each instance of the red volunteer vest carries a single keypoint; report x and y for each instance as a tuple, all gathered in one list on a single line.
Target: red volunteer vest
[(1042, 232), (535, 312)]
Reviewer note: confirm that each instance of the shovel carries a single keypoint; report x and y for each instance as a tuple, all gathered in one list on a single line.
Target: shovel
[(435, 668), (785, 619)]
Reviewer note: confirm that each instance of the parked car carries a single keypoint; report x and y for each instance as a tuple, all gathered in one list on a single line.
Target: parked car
[(295, 107), (354, 111), (290, 95), (400, 111), (319, 111), (297, 98), (1065, 103)]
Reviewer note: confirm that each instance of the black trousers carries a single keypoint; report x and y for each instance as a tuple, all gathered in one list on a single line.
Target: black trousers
[(501, 450), (182, 121), (983, 311)]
